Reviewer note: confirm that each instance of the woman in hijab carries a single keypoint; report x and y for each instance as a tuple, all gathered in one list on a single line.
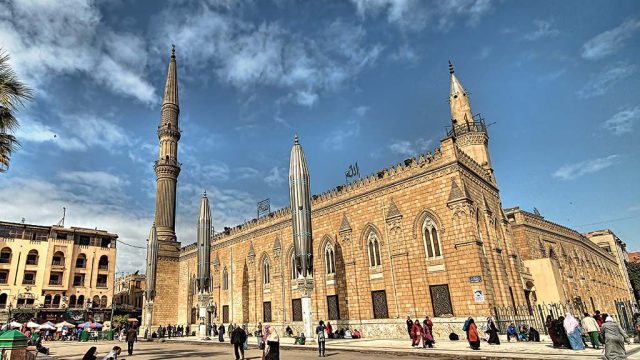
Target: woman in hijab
[(221, 333), (551, 328), (574, 333), (90, 354), (427, 335), (614, 338), (492, 330), (562, 333), (272, 347), (416, 333), (472, 335)]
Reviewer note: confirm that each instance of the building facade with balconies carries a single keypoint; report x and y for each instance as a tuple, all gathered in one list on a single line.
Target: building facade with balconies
[(55, 273), (128, 294)]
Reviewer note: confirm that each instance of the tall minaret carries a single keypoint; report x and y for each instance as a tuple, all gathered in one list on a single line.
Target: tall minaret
[(167, 166), (204, 263), (470, 133), (300, 199), (152, 260)]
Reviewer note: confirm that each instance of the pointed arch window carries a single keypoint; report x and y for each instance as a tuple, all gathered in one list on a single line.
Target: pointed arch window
[(480, 233), (265, 272), (374, 250), (330, 260), (294, 269), (431, 239), (225, 279)]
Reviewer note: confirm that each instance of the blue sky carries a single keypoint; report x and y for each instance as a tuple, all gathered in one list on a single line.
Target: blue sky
[(358, 80)]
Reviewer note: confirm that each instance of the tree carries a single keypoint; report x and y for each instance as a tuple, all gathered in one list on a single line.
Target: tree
[(633, 269), (13, 93)]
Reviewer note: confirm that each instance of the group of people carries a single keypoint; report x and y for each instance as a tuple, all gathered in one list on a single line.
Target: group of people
[(170, 331), (571, 333), (420, 331), (522, 333), (92, 354)]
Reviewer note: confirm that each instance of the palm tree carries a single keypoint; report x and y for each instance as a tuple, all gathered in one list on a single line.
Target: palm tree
[(13, 93)]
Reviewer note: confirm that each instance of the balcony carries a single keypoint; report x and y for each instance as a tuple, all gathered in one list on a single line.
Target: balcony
[(103, 267), (26, 306), (101, 285), (32, 262), (78, 283), (28, 281), (3, 281), (58, 263), (55, 282), (477, 125)]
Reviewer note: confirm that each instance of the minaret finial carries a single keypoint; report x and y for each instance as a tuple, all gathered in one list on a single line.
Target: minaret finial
[(173, 51), (205, 193), (451, 67), (295, 139)]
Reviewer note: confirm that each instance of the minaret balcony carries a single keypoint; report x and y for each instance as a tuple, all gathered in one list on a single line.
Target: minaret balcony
[(477, 125), (164, 131)]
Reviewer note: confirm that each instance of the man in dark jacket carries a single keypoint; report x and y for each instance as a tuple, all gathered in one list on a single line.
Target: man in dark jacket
[(409, 325), (238, 337), (132, 336)]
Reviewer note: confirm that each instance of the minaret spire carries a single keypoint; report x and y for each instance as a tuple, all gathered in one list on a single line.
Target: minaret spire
[(459, 100)]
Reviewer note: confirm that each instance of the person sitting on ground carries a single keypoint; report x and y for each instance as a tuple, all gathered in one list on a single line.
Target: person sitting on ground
[(512, 332), (534, 335), (347, 334), (39, 347), (289, 331), (522, 333), (300, 339), (113, 354), (341, 333), (356, 334)]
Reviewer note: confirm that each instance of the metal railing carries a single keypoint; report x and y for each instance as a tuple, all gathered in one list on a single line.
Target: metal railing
[(55, 282), (476, 125)]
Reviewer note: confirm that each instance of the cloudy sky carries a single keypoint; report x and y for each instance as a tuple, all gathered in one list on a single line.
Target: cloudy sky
[(358, 80)]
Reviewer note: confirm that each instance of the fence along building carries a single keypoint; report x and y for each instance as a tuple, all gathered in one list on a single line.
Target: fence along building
[(48, 272)]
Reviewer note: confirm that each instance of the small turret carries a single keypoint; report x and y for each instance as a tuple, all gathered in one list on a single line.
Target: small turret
[(300, 209), (204, 245), (152, 260)]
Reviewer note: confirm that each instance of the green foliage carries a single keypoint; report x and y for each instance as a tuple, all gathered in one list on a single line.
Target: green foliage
[(13, 93), (634, 275), (119, 320)]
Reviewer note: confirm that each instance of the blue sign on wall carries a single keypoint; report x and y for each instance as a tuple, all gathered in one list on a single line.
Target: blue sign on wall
[(475, 279)]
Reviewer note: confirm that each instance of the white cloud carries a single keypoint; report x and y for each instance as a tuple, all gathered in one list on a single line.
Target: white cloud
[(275, 178), (622, 122), (484, 53), (246, 172), (408, 148), (249, 56), (610, 41), (96, 180), (361, 110), (543, 29), (600, 83), (50, 38), (574, 171), (416, 14), (336, 139)]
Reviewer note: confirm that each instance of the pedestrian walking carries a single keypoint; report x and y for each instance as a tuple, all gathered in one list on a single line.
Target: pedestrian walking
[(272, 349), (614, 339), (221, 333), (572, 327), (427, 334), (591, 328), (132, 337), (409, 326), (321, 338), (416, 333), (472, 335), (238, 339), (492, 330)]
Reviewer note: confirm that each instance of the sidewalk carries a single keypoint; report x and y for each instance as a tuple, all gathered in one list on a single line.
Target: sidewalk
[(519, 350)]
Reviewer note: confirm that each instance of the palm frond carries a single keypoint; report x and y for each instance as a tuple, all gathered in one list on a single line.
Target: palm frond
[(8, 144), (13, 92)]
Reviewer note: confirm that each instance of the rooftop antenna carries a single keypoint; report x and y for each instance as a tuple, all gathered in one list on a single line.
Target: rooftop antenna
[(23, 220), (64, 214)]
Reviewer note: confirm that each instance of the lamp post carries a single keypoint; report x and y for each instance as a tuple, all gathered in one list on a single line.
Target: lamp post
[(10, 307)]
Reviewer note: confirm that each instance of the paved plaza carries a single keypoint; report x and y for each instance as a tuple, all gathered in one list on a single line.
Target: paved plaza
[(191, 348)]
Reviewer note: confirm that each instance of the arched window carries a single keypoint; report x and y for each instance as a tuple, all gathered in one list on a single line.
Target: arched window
[(58, 259), (330, 259), (225, 279), (103, 301), (81, 261), (95, 302), (103, 264), (431, 240), (56, 301), (47, 301), (80, 302), (294, 269), (32, 257), (374, 250), (266, 278), (3, 301), (72, 301), (5, 256)]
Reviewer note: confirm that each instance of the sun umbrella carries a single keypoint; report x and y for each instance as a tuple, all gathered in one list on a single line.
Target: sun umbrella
[(85, 325), (15, 324), (65, 324), (46, 327), (132, 320), (96, 326), (32, 325)]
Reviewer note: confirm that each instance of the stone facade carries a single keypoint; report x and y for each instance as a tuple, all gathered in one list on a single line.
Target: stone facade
[(128, 293), (47, 270), (612, 244), (565, 265)]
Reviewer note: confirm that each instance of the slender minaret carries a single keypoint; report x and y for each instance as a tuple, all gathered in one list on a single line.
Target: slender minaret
[(204, 263), (152, 260), (167, 170), (470, 134), (300, 199), (167, 166)]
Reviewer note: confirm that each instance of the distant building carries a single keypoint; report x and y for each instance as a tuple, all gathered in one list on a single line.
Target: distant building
[(55, 273), (565, 265), (634, 257), (607, 240), (128, 294)]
